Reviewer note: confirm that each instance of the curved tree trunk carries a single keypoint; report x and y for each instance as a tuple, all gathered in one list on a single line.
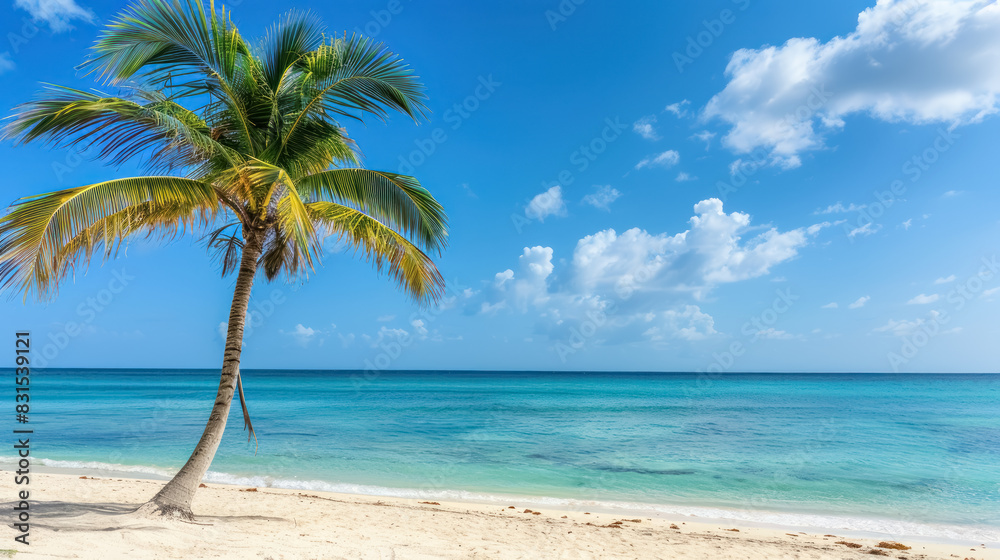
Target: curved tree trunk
[(175, 498)]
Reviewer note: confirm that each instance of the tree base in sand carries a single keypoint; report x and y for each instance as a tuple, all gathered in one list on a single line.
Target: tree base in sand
[(154, 510)]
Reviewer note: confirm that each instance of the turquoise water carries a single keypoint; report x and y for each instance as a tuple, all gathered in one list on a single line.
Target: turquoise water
[(878, 451)]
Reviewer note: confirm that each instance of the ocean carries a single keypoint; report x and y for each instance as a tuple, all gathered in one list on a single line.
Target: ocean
[(914, 455)]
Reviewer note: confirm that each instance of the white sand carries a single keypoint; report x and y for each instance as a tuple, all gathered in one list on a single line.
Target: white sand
[(89, 518)]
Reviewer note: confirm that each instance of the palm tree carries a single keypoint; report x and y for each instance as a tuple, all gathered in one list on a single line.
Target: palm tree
[(239, 140)]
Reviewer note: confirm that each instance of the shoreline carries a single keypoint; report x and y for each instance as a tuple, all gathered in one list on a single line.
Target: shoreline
[(766, 521), (75, 517)]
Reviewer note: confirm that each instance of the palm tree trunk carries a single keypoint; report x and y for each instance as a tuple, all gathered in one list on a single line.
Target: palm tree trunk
[(174, 499)]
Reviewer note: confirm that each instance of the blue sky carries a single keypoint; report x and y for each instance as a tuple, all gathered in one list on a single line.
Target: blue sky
[(663, 186)]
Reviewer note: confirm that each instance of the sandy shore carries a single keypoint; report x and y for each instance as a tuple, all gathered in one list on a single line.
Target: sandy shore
[(74, 517)]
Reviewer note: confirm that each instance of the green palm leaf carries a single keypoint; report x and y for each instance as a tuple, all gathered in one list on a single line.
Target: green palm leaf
[(412, 270), (397, 200), (43, 235)]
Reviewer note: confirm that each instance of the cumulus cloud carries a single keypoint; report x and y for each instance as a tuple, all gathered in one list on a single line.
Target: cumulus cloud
[(668, 158), (645, 127), (860, 302), (945, 280), (686, 323), (56, 13), (650, 282), (679, 109), (346, 340), (923, 299), (386, 335), (503, 277), (831, 305), (705, 136), (912, 61), (602, 197), (419, 327), (302, 335), (683, 177), (548, 203)]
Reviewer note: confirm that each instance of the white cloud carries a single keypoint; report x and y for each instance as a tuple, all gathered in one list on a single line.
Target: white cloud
[(989, 293), (419, 327), (529, 284), (6, 64), (503, 277), (906, 225), (548, 203), (945, 280), (385, 318), (839, 208), (385, 335), (923, 299), (644, 127), (860, 302), (602, 197), (57, 13), (223, 330), (346, 340), (831, 305), (678, 109), (870, 228), (652, 281), (952, 193), (775, 334), (708, 253), (912, 61), (682, 177), (302, 335), (906, 328), (686, 323), (668, 158), (705, 136)]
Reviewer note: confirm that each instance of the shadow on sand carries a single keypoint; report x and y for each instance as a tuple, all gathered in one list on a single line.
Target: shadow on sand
[(108, 516)]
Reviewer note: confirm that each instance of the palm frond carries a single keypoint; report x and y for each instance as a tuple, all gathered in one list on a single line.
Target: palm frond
[(397, 200), (385, 248), (296, 34), (167, 133), (160, 40), (43, 236), (226, 246), (352, 77)]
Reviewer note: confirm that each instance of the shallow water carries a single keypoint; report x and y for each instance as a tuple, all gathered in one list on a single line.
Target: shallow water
[(896, 449)]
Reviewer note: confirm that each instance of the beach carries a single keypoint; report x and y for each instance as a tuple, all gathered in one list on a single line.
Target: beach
[(89, 517)]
